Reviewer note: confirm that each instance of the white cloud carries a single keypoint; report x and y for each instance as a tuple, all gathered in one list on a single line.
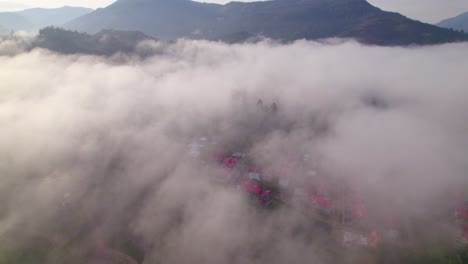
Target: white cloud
[(108, 140)]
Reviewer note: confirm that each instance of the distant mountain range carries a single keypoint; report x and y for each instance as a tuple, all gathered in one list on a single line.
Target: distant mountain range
[(4, 31), (284, 20), (36, 18), (459, 22)]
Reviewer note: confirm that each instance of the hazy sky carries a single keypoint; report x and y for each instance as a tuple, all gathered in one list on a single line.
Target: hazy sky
[(431, 11), (13, 5)]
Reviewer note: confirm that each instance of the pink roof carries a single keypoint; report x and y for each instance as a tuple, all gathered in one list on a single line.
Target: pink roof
[(264, 197), (230, 162), (373, 238), (322, 201), (359, 211), (251, 187), (266, 194), (258, 190), (462, 211)]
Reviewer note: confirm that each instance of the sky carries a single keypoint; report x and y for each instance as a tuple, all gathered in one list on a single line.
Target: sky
[(430, 11)]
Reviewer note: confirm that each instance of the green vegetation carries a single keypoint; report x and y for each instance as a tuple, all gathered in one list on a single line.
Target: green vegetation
[(106, 42)]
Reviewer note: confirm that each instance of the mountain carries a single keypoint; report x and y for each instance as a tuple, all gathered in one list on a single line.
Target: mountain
[(105, 42), (42, 17), (459, 22), (283, 20), (14, 21), (4, 31), (167, 19), (36, 18)]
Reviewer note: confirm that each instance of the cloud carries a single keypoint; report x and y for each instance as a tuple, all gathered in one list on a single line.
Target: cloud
[(94, 150)]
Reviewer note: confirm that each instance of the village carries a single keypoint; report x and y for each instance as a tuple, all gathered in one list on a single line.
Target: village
[(349, 218)]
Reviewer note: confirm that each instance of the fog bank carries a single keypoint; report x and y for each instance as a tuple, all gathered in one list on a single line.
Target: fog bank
[(93, 149)]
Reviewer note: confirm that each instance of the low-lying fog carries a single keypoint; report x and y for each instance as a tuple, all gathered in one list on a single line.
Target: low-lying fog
[(94, 147)]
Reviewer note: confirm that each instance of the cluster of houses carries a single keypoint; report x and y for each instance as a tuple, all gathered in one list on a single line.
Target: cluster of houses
[(345, 210), (319, 198)]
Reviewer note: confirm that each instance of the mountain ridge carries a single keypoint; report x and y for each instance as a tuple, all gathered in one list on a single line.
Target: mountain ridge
[(459, 22), (36, 18), (283, 20)]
